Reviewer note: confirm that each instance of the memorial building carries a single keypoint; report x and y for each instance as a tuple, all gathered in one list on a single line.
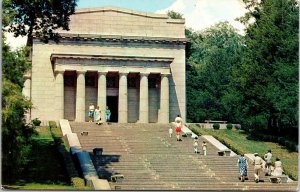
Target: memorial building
[(131, 61)]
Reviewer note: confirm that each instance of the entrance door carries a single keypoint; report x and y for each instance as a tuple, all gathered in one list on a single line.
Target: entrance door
[(112, 103)]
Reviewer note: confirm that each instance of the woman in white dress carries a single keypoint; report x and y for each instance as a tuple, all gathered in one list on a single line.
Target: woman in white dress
[(277, 167), (97, 115)]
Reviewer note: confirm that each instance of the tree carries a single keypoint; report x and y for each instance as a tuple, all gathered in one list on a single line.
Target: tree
[(16, 135), (269, 72), (174, 15), (214, 53), (14, 64), (41, 17)]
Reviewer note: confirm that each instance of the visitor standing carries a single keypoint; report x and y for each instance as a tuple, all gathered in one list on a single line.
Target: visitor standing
[(170, 132), (91, 112), (97, 115), (178, 122), (257, 162), (196, 145), (243, 166), (107, 114), (204, 147), (277, 167), (268, 159)]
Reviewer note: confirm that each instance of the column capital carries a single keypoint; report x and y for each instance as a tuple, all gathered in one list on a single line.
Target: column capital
[(80, 72), (142, 74), (59, 71), (165, 74), (123, 73), (102, 73)]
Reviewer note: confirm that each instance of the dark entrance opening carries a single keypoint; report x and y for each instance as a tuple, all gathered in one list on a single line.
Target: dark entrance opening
[(112, 103)]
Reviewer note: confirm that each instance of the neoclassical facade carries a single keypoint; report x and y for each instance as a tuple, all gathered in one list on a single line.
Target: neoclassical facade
[(131, 61)]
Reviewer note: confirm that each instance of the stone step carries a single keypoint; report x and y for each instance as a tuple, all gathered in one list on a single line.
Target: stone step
[(150, 160)]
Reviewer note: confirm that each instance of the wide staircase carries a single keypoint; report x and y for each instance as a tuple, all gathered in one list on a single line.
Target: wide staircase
[(150, 160)]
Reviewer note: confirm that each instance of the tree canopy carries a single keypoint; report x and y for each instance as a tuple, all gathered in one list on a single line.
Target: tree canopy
[(269, 71), (213, 54), (174, 15), (251, 79), (16, 134), (41, 17)]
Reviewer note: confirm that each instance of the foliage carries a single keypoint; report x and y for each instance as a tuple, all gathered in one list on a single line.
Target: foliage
[(174, 15), (268, 75), (238, 141), (36, 122), (52, 124), (41, 17), (77, 182), (229, 126), (212, 56), (14, 64), (16, 135), (216, 126), (251, 80), (46, 170)]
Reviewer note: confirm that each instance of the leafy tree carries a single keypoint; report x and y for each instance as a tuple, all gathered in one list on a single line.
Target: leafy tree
[(41, 17), (14, 64), (174, 15), (269, 72), (214, 53), (16, 135)]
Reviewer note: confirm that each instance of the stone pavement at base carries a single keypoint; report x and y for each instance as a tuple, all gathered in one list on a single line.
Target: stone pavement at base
[(150, 160)]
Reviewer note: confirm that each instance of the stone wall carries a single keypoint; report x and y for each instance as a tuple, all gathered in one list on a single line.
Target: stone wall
[(119, 21)]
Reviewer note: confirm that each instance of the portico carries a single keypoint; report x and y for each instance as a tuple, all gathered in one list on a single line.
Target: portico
[(99, 72)]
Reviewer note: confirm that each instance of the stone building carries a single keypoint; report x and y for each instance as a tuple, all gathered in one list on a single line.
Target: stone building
[(131, 61)]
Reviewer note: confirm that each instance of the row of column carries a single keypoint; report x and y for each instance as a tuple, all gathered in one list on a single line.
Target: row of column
[(163, 113)]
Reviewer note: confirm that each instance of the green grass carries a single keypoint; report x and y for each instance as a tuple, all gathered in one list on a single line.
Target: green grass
[(238, 142), (38, 186)]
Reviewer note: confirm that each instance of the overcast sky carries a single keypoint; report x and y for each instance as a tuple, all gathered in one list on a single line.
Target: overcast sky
[(199, 14)]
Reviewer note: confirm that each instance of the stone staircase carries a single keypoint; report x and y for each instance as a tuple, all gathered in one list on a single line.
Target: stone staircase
[(150, 160)]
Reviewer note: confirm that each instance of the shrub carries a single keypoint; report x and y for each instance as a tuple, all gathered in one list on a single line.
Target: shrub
[(52, 124), (77, 182), (237, 126), (36, 122), (229, 126), (216, 126)]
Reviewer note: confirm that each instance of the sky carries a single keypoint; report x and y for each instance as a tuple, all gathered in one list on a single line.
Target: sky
[(198, 14)]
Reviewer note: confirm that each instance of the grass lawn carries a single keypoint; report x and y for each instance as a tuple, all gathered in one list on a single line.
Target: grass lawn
[(238, 142), (46, 169)]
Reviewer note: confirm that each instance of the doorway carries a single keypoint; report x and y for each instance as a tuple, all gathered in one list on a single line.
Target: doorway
[(112, 103)]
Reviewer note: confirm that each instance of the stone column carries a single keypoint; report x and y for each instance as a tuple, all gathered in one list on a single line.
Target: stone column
[(123, 98), (27, 93), (144, 99), (27, 87), (80, 97), (59, 94), (163, 113), (101, 100)]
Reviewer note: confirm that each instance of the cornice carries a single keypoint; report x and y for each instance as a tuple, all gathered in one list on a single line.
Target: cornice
[(118, 38), (56, 56)]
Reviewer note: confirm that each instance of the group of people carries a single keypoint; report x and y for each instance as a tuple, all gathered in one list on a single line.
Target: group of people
[(94, 114), (204, 147), (270, 170), (178, 122)]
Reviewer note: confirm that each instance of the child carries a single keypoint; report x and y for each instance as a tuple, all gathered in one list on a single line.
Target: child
[(204, 148), (170, 131), (196, 145)]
